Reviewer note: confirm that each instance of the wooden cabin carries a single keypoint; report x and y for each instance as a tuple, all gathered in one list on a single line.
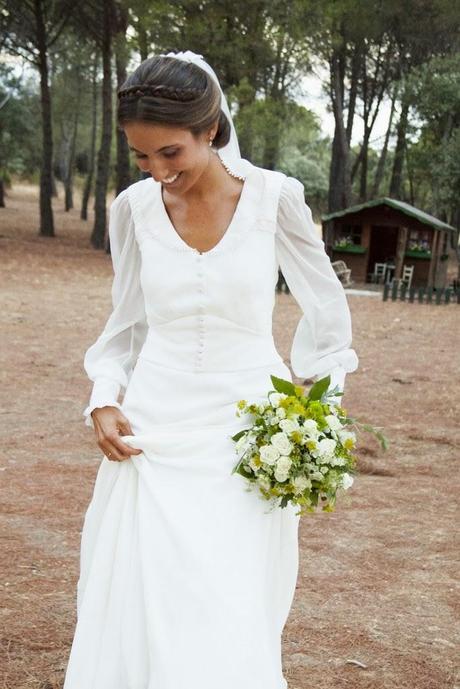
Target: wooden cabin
[(394, 233)]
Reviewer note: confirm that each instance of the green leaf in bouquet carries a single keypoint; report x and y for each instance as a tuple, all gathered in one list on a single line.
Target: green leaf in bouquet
[(319, 388), (282, 385), (240, 469), (238, 435)]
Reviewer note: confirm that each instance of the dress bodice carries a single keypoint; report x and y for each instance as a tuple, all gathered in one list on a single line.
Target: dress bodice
[(212, 311), (209, 310)]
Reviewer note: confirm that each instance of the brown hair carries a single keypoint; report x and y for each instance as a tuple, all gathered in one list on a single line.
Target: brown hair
[(170, 91)]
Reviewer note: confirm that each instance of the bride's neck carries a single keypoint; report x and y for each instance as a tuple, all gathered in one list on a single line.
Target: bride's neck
[(214, 180)]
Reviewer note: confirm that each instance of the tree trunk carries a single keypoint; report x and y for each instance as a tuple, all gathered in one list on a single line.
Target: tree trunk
[(68, 179), (353, 90), (272, 139), (92, 146), (383, 154), (142, 42), (123, 174), (339, 176), (398, 163), (98, 236), (46, 174), (64, 156)]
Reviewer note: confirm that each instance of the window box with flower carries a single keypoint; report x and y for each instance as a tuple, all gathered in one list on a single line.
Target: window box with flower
[(418, 246), (417, 253), (349, 248)]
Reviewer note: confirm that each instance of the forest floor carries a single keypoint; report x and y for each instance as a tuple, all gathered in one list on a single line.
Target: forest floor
[(376, 605)]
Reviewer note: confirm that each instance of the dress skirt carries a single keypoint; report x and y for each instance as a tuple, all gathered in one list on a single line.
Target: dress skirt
[(186, 577)]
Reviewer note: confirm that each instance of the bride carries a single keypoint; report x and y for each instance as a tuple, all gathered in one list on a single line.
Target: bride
[(186, 579)]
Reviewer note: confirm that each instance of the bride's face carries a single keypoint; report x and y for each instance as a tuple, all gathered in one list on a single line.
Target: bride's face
[(172, 155)]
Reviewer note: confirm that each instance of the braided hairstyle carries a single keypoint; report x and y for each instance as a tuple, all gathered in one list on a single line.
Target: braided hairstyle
[(169, 91)]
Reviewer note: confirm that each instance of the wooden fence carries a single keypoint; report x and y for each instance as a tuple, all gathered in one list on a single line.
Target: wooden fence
[(400, 292), (423, 295)]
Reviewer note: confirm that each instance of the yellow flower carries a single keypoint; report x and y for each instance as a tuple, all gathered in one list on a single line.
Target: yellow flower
[(241, 404)]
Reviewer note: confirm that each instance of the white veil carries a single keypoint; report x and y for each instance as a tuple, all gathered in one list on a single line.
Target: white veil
[(230, 153)]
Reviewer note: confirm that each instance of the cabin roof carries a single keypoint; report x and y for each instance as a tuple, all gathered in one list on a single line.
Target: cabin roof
[(401, 206)]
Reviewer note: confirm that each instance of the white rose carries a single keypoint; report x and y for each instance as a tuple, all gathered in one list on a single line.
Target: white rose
[(274, 420), (276, 398), (281, 442), (269, 454), (310, 428), (326, 447), (280, 475), (281, 413), (300, 483), (333, 422), (289, 426), (283, 464), (347, 481), (261, 408)]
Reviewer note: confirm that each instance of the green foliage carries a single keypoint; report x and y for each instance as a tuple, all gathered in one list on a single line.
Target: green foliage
[(433, 91), (19, 124)]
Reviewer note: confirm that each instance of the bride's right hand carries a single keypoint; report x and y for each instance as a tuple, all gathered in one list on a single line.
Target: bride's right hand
[(109, 424)]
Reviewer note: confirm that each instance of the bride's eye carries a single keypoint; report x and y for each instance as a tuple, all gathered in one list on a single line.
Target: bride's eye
[(170, 155)]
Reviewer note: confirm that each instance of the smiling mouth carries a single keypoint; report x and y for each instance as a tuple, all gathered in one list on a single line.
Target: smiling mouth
[(171, 180)]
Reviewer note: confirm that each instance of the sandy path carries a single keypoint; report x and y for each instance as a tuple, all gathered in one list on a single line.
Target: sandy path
[(378, 582)]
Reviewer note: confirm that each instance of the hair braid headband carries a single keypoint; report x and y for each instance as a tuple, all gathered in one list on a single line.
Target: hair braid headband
[(160, 91)]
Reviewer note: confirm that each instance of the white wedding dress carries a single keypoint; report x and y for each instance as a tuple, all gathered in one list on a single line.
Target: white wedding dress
[(186, 578)]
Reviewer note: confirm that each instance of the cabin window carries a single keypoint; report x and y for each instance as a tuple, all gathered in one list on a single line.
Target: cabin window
[(350, 234), (419, 240)]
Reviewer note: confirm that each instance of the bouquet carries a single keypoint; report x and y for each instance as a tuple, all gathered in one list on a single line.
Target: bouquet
[(299, 448)]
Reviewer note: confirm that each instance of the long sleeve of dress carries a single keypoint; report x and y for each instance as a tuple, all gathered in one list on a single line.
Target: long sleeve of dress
[(322, 340), (110, 360)]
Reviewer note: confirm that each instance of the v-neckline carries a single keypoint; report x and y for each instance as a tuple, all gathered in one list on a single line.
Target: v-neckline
[(233, 222)]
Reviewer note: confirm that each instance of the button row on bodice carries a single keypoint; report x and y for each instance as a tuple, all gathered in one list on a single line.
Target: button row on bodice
[(201, 327)]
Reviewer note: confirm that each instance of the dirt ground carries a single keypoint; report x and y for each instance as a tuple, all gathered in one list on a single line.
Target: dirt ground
[(377, 602)]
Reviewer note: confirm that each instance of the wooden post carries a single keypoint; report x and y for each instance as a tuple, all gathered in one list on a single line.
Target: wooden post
[(400, 249), (433, 260)]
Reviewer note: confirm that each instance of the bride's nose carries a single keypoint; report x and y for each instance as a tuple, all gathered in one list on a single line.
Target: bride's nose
[(157, 171)]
